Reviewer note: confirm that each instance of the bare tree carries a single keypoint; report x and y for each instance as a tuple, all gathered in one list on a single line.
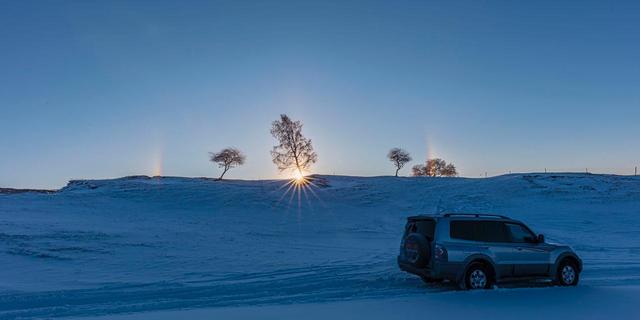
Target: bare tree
[(227, 158), (449, 171), (435, 167), (294, 151), (419, 170), (399, 157)]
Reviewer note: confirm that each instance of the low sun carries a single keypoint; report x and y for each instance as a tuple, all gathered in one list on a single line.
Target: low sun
[(297, 176)]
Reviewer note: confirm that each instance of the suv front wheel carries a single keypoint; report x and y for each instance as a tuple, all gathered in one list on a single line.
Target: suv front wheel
[(477, 277), (567, 274)]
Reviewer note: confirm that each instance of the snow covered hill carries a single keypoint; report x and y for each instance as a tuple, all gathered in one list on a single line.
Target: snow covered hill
[(140, 244)]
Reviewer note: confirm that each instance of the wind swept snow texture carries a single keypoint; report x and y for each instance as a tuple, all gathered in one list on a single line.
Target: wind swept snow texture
[(101, 247)]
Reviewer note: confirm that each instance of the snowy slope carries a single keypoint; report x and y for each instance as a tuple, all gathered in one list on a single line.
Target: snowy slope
[(101, 247)]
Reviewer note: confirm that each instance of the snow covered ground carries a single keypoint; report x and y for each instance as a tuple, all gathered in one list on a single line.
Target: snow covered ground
[(524, 304), (143, 247)]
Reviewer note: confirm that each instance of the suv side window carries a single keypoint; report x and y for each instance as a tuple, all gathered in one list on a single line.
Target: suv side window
[(493, 231), (463, 230), (520, 234), (477, 230)]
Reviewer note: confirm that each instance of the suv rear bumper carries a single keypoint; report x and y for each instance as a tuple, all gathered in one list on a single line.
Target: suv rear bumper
[(422, 272)]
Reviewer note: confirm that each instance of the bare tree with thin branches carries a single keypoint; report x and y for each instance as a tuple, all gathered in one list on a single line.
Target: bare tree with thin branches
[(293, 151), (435, 167), (227, 158), (419, 170), (399, 157), (449, 171)]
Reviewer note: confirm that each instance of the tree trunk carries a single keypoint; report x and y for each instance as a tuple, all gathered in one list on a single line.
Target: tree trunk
[(295, 156), (223, 172), (397, 169)]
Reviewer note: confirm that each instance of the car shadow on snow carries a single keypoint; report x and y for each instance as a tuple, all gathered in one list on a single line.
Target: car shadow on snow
[(444, 286)]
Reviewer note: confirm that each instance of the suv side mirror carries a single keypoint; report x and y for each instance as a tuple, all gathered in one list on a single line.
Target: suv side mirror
[(540, 238)]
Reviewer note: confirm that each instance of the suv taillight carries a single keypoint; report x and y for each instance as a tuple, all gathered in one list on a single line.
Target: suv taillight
[(439, 252)]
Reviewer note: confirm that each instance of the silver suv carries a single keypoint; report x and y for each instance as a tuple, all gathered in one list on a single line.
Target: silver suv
[(479, 250)]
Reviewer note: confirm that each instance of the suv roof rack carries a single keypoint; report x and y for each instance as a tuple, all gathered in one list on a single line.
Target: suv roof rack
[(477, 215)]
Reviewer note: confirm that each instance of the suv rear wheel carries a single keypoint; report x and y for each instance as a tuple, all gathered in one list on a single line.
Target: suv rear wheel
[(417, 250), (478, 277), (568, 274)]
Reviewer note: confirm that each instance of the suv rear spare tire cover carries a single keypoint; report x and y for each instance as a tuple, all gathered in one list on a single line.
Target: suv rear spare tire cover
[(417, 250)]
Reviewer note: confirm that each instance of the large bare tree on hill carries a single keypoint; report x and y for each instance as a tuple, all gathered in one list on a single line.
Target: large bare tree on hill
[(293, 151)]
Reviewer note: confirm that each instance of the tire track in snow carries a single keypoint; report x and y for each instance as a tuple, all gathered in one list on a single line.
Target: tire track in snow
[(295, 285)]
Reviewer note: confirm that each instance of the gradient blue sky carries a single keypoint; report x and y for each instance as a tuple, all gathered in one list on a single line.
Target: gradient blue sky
[(97, 89)]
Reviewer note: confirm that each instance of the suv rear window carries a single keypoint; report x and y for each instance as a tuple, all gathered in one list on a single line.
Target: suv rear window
[(478, 230), (425, 227)]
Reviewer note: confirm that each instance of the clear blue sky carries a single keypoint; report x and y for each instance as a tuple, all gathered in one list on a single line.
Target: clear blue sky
[(97, 89)]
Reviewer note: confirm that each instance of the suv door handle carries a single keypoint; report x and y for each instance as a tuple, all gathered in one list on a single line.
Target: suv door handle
[(519, 248)]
